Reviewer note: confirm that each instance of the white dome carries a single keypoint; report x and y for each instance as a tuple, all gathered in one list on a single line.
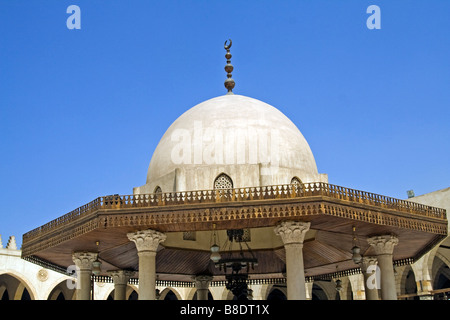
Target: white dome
[(250, 141)]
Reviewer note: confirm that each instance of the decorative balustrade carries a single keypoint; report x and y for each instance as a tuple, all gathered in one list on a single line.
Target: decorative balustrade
[(135, 282), (114, 202)]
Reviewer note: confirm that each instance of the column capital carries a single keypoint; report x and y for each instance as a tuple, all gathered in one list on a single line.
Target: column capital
[(202, 281), (121, 276), (147, 240), (368, 261), (83, 259), (292, 232), (383, 244)]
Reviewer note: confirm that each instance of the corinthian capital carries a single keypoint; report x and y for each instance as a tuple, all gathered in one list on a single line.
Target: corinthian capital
[(202, 281), (383, 244), (292, 231), (147, 240), (83, 260), (121, 276), (366, 262)]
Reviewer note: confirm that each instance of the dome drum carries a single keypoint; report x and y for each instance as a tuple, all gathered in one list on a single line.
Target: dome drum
[(246, 175)]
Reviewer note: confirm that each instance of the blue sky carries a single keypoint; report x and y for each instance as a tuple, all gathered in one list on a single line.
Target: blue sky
[(81, 111)]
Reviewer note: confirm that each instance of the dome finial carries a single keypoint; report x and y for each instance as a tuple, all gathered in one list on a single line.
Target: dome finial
[(229, 83)]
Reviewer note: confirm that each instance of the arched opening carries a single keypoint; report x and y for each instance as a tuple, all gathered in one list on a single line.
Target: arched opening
[(130, 294), (12, 288), (441, 273), (276, 294), (296, 180), (223, 181), (318, 293), (61, 292), (5, 295), (157, 190), (170, 296), (349, 292), (443, 281), (60, 297), (133, 295), (410, 284), (297, 185)]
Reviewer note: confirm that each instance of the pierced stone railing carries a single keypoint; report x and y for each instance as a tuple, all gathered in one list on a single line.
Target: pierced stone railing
[(288, 191)]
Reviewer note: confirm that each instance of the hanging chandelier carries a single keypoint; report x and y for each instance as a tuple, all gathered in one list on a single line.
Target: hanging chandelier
[(215, 255), (338, 285), (240, 262), (356, 250)]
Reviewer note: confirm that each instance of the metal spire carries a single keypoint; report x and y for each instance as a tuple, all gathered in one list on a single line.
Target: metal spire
[(229, 83)]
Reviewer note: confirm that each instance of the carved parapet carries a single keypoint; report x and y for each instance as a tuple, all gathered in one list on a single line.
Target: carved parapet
[(292, 232), (12, 245), (147, 240)]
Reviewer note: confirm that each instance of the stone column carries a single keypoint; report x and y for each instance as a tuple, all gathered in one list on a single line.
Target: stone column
[(357, 286), (120, 278), (422, 275), (370, 278), (293, 233), (202, 284), (309, 287), (147, 242), (83, 261), (384, 248)]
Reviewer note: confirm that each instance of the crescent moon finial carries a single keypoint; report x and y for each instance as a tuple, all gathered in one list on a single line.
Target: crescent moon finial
[(229, 83), (227, 47)]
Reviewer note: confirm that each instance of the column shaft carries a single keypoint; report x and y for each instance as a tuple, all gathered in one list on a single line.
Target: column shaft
[(120, 278), (387, 286), (83, 260), (120, 291), (147, 242), (84, 291), (370, 286), (147, 275), (293, 233), (202, 284), (202, 294), (295, 272), (371, 293), (384, 248)]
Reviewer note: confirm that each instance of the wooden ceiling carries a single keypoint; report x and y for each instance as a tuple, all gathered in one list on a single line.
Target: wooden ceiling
[(329, 251)]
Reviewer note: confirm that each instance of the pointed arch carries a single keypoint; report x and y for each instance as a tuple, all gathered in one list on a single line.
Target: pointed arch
[(16, 286), (441, 272), (277, 293), (296, 180), (157, 189), (60, 291), (172, 292), (318, 293), (297, 185)]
